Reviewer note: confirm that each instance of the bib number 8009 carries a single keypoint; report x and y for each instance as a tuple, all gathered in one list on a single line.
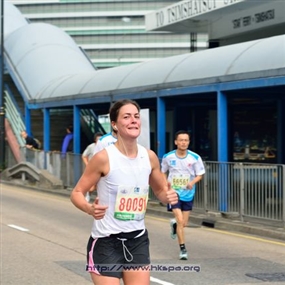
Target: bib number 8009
[(132, 204)]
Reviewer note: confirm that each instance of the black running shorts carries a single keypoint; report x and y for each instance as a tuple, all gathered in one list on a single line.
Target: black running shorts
[(110, 256)]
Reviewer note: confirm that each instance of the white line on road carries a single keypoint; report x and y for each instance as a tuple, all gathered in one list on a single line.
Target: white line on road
[(18, 228), (152, 279)]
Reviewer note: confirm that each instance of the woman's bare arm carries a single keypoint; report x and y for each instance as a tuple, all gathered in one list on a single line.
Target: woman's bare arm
[(161, 188), (97, 167)]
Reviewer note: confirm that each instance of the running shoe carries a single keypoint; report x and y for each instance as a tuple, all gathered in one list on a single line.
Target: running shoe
[(173, 228), (183, 254)]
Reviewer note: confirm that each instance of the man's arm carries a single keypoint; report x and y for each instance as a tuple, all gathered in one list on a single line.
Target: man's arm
[(199, 169), (85, 155), (29, 142), (85, 159), (194, 181)]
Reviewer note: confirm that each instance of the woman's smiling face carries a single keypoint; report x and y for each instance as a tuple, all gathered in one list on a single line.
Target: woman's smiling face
[(128, 121)]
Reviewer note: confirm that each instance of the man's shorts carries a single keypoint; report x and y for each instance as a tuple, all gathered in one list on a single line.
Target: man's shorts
[(110, 256), (182, 205)]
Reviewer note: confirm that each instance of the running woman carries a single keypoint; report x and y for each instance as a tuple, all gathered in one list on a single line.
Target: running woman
[(123, 173)]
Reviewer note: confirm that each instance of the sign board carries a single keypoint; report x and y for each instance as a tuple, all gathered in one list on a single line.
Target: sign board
[(195, 10), (221, 19), (244, 21)]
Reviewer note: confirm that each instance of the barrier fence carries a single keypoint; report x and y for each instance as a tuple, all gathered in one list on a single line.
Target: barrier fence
[(246, 189)]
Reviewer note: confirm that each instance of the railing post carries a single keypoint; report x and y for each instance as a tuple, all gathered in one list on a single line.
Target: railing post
[(67, 160), (283, 195), (77, 166), (241, 191), (223, 187), (205, 189)]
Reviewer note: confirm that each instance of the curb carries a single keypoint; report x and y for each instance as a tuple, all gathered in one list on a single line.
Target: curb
[(219, 223)]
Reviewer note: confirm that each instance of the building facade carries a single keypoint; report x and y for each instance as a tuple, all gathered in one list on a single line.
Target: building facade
[(112, 33)]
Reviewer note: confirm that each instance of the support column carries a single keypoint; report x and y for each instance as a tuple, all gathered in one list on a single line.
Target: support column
[(77, 163), (193, 42), (2, 110), (28, 120), (76, 129), (280, 131), (222, 113), (46, 136), (2, 139), (222, 117), (161, 129)]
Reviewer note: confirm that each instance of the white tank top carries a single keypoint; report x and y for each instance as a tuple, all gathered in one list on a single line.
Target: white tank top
[(125, 189)]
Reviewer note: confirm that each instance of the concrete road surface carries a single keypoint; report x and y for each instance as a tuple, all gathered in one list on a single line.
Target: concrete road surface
[(43, 240)]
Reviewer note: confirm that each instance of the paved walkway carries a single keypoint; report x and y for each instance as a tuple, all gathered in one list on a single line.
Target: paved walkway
[(225, 222)]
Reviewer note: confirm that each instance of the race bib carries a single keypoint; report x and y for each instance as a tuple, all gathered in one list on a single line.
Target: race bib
[(131, 203), (180, 181)]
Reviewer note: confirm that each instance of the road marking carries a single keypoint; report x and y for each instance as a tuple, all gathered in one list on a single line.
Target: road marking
[(18, 228), (246, 236), (152, 279)]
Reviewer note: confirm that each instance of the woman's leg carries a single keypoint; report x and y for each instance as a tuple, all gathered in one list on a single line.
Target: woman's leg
[(104, 280), (137, 277)]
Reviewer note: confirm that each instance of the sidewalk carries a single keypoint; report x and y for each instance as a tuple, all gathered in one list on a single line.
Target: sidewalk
[(224, 222), (212, 220)]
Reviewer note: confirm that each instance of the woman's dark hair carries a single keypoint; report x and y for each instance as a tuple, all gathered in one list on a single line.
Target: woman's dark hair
[(115, 109)]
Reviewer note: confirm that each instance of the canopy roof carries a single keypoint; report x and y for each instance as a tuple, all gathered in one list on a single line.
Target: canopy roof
[(49, 66)]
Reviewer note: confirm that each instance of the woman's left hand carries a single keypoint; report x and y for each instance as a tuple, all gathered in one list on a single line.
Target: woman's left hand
[(171, 195)]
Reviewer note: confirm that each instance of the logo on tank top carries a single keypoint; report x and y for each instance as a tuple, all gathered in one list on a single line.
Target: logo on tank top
[(124, 191)]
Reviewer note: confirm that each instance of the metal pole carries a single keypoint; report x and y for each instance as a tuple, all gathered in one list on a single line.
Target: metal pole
[(283, 195), (2, 111), (193, 42)]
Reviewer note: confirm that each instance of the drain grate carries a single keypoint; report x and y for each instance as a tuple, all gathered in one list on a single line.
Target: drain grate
[(270, 277), (208, 223)]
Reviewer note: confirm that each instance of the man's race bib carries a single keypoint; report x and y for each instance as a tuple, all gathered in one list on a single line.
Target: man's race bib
[(180, 181), (131, 203)]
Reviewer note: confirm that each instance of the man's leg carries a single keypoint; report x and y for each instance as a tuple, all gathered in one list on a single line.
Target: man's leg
[(186, 215), (179, 224), (182, 218), (173, 223), (178, 214)]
